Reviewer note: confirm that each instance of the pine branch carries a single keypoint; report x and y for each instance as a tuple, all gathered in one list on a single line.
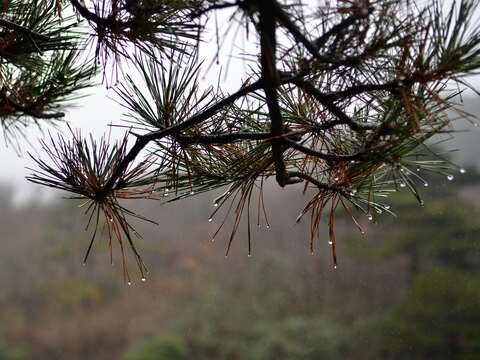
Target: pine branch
[(11, 25), (29, 110)]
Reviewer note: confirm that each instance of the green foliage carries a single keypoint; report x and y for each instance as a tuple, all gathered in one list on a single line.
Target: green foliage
[(71, 293), (411, 233), (158, 348), (293, 338), (11, 352), (438, 320), (41, 65), (296, 339)]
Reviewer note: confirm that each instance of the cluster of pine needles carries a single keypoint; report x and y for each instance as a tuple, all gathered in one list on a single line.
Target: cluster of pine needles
[(84, 168)]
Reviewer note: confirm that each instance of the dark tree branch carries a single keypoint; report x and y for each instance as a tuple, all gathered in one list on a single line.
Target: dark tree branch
[(222, 138), (391, 86), (29, 110), (213, 7), (310, 179), (285, 20), (339, 28), (327, 102), (90, 16), (143, 140), (270, 75), (10, 25), (324, 156)]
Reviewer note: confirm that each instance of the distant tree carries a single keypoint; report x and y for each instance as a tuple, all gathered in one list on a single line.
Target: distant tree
[(411, 235), (340, 96), (158, 349), (438, 319), (11, 352)]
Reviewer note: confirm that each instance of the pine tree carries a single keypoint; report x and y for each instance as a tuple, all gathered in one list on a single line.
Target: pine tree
[(341, 97)]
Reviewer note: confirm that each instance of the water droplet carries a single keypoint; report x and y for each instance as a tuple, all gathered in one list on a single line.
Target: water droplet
[(330, 242), (192, 192), (249, 255), (143, 279), (387, 207), (312, 253), (426, 184), (129, 283), (449, 177), (422, 203), (215, 204), (402, 184), (210, 220), (336, 178), (212, 240), (335, 266), (370, 217), (268, 226), (418, 169), (462, 171), (362, 232), (402, 170)]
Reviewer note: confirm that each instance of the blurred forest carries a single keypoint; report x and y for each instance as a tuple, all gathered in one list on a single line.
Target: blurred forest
[(408, 289)]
